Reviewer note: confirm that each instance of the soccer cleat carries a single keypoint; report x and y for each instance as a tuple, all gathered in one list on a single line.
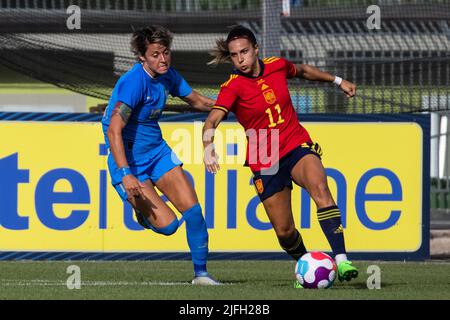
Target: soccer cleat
[(205, 280), (346, 271), (297, 285)]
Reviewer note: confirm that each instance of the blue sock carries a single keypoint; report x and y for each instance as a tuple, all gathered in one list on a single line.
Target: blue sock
[(197, 237), (200, 269)]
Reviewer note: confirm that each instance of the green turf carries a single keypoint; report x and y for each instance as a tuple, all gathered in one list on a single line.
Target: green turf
[(242, 280)]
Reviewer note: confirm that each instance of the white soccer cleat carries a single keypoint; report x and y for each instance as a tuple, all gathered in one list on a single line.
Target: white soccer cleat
[(205, 280)]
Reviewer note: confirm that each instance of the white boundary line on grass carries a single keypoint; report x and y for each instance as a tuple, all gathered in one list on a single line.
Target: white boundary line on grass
[(45, 283)]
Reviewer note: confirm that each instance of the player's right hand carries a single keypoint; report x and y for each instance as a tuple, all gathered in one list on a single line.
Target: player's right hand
[(133, 187), (211, 160)]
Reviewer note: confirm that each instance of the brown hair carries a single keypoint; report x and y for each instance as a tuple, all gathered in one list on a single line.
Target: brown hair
[(153, 34), (221, 53)]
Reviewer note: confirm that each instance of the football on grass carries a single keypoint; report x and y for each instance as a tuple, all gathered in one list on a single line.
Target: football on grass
[(315, 270)]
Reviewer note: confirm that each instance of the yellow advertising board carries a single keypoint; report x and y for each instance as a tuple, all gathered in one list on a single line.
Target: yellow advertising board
[(55, 193)]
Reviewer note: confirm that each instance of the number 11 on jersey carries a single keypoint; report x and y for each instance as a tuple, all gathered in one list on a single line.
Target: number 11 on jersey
[(280, 119)]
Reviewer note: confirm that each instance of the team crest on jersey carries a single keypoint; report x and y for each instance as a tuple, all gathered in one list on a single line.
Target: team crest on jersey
[(270, 97), (259, 186)]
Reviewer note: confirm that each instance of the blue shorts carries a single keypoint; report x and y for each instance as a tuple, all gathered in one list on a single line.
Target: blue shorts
[(267, 185), (163, 162)]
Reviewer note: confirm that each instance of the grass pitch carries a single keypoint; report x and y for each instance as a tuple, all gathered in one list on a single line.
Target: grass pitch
[(243, 280)]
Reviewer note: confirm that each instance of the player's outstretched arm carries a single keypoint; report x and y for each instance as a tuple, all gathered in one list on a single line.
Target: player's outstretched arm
[(210, 158), (199, 101), (312, 73)]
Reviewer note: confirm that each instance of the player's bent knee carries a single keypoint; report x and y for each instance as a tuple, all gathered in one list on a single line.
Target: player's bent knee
[(320, 193), (168, 230), (171, 228), (285, 232)]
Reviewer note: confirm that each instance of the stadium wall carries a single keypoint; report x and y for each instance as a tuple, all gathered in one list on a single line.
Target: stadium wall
[(57, 203)]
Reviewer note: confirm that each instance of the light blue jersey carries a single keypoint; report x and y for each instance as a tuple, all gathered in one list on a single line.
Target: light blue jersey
[(146, 96)]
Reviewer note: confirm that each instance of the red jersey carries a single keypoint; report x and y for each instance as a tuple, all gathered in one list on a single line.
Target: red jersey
[(263, 106)]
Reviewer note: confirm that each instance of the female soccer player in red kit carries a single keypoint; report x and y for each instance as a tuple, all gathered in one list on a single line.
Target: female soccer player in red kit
[(257, 93)]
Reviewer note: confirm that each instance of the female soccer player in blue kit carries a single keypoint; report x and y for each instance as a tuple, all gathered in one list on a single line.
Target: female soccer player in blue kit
[(140, 159)]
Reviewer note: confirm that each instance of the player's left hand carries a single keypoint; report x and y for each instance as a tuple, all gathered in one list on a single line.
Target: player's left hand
[(211, 160), (348, 88)]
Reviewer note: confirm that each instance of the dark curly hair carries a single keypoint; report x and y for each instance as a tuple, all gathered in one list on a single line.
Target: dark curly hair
[(152, 34)]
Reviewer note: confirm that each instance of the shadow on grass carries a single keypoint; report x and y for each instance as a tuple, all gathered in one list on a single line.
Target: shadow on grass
[(343, 285), (363, 285)]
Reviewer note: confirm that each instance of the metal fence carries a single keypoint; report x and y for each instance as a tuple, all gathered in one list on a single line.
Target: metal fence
[(146, 5), (193, 5), (403, 66)]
